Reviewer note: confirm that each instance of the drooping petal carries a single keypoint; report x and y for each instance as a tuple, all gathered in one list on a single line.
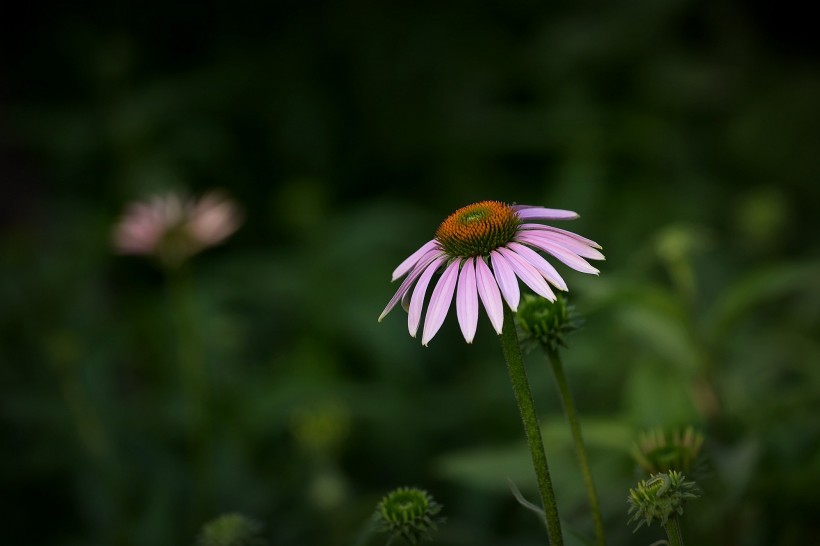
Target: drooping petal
[(423, 262), (411, 260), (505, 277), (527, 273), (573, 245), (405, 301), (543, 213), (588, 242), (569, 258), (540, 264), (419, 292), (467, 300), (440, 302), (488, 290)]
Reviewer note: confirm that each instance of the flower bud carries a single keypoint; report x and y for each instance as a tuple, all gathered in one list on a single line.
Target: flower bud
[(231, 530), (408, 513), (660, 497), (659, 451), (546, 323)]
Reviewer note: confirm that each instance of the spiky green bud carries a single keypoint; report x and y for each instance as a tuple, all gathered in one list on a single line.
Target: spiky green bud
[(544, 322), (660, 451), (408, 513), (660, 497), (231, 530)]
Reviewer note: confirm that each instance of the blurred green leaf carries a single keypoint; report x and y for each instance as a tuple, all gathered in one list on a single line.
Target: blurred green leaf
[(758, 287)]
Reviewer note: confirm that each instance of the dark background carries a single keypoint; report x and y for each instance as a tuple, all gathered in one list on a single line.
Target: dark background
[(685, 133)]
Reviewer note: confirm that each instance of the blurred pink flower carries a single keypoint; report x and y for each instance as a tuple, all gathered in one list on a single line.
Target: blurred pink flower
[(172, 228)]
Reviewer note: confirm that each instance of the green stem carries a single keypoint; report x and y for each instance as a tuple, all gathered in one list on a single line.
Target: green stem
[(188, 343), (580, 449), (194, 383), (673, 532), (526, 406)]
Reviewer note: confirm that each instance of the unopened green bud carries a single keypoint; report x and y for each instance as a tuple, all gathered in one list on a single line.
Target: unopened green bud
[(546, 323), (409, 514), (660, 451), (231, 530), (660, 497), (321, 429)]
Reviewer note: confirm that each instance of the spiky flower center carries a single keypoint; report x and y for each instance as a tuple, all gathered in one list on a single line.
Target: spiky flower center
[(477, 229)]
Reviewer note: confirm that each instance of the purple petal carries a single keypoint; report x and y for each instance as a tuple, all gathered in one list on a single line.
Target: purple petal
[(540, 264), (411, 278), (440, 302), (505, 277), (467, 300), (569, 243), (527, 273), (566, 256), (405, 301), (488, 290), (420, 290), (542, 213), (570, 234), (411, 260)]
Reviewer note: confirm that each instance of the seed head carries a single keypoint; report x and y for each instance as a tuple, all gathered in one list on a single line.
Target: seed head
[(477, 229)]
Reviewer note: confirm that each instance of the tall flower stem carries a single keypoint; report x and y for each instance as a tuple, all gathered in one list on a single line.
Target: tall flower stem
[(673, 532), (526, 406), (194, 382), (189, 348), (580, 450)]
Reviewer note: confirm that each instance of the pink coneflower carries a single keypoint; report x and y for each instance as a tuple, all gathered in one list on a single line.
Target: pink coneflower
[(172, 228), (483, 248)]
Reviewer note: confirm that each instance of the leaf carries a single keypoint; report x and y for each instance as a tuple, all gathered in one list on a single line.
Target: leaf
[(755, 289), (524, 502)]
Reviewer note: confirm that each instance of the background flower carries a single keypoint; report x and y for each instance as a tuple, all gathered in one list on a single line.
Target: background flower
[(173, 228)]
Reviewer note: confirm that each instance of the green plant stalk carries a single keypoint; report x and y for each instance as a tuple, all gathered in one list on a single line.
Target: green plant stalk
[(89, 424), (526, 406), (580, 450), (189, 350), (673, 532), (194, 381)]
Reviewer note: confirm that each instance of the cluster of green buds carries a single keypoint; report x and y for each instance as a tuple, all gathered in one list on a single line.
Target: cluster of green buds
[(658, 451), (408, 514), (231, 530), (660, 497), (546, 323)]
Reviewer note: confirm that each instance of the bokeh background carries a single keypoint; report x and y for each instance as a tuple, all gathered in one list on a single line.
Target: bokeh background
[(685, 132)]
